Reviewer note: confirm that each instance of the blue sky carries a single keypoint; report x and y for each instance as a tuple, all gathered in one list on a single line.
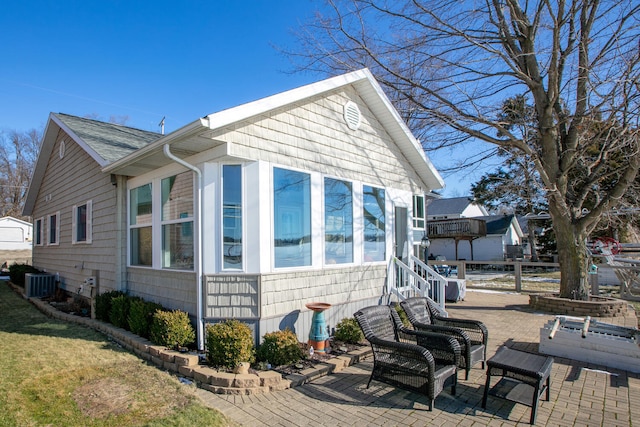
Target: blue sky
[(145, 60)]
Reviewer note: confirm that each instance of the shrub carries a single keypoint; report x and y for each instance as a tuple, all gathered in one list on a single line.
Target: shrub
[(17, 272), (141, 316), (229, 343), (172, 329), (348, 330), (103, 304), (280, 348), (119, 313)]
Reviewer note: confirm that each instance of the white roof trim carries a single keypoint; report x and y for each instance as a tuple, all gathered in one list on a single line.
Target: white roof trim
[(368, 88)]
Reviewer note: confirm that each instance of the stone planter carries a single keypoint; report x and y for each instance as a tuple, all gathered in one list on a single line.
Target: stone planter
[(596, 306)]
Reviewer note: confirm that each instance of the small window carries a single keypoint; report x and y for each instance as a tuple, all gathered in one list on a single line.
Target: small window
[(54, 229), (418, 212), (81, 226), (39, 230)]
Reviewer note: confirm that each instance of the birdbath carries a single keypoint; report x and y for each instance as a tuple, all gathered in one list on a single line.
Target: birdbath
[(318, 334)]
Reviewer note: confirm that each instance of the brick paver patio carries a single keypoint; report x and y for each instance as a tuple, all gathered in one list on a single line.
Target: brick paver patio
[(581, 395)]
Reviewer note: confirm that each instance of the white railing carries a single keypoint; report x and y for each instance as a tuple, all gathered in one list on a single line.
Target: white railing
[(416, 279)]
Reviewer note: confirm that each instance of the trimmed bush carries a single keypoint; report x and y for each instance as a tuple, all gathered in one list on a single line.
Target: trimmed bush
[(229, 343), (141, 316), (17, 272), (348, 330), (172, 329), (119, 313), (103, 304), (280, 348)]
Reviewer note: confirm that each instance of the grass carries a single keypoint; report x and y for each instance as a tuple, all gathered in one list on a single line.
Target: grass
[(56, 373)]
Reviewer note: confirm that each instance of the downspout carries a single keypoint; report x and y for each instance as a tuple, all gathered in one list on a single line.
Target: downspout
[(199, 323)]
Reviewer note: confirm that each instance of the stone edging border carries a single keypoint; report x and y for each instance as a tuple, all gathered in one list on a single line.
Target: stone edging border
[(596, 306), (187, 364)]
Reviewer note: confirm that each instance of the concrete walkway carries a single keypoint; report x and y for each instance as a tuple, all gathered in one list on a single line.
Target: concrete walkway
[(581, 395)]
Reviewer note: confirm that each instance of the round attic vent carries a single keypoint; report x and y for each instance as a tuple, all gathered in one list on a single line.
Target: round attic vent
[(352, 115), (61, 149)]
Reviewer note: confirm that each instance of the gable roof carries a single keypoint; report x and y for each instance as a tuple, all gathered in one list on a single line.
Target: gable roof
[(451, 206), (12, 219), (128, 151), (103, 142), (191, 139)]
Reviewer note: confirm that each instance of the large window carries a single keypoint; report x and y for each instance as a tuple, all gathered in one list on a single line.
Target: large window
[(374, 223), (140, 217), (292, 218), (54, 229), (232, 216), (177, 221), (81, 223), (338, 221)]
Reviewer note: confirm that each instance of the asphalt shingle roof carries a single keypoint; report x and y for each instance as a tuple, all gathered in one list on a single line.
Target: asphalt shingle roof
[(111, 141), (452, 206)]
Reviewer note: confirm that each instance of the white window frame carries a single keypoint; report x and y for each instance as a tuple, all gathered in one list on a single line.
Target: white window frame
[(88, 224), (57, 230)]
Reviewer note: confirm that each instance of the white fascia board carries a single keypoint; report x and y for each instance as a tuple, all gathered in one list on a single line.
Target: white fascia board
[(261, 106), (411, 147)]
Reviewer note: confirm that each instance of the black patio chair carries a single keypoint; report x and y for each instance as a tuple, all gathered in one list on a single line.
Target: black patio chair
[(413, 360), (472, 335)]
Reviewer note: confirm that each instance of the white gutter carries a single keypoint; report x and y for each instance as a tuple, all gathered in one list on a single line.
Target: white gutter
[(198, 234)]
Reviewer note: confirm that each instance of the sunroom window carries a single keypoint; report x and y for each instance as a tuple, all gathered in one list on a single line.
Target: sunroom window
[(232, 216), (177, 222), (292, 218), (140, 220), (338, 221), (374, 223)]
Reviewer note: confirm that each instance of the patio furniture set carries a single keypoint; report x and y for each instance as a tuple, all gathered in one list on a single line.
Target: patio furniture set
[(427, 357)]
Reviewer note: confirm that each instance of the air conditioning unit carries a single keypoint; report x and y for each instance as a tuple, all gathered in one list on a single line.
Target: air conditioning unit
[(39, 285)]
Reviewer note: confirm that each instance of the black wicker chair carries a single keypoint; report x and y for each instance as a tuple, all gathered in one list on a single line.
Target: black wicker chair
[(424, 315), (405, 358)]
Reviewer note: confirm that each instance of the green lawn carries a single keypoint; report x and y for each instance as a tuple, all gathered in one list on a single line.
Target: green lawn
[(54, 373)]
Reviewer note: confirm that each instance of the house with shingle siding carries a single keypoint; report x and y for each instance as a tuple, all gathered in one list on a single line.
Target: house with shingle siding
[(248, 213)]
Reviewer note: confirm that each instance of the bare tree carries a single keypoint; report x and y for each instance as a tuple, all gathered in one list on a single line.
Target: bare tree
[(448, 64), (18, 154)]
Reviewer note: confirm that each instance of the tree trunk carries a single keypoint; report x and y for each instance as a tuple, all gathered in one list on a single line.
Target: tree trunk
[(573, 259)]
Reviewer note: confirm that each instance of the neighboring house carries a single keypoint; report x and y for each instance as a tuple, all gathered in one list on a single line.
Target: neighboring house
[(459, 229), (248, 213), (15, 234), (15, 241), (455, 207)]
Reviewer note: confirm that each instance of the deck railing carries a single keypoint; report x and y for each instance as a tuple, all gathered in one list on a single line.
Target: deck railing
[(416, 279), (460, 227)]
